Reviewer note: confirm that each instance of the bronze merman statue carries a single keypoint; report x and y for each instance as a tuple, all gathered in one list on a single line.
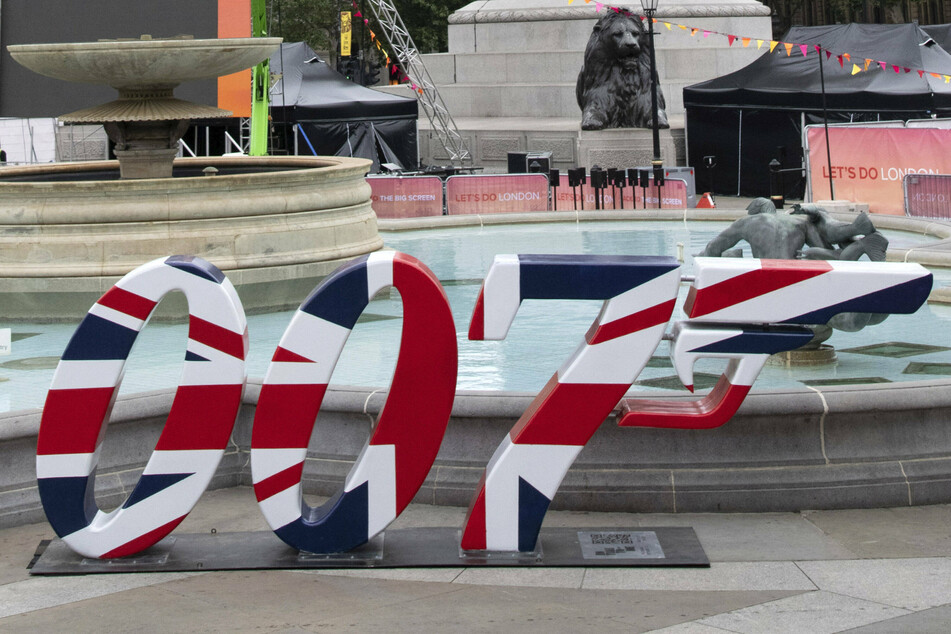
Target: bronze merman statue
[(782, 236)]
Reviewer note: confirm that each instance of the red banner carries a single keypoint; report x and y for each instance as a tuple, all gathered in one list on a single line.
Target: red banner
[(406, 197), (868, 164), (673, 194), (496, 193)]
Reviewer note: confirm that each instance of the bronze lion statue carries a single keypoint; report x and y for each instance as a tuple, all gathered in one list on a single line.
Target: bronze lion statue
[(613, 88)]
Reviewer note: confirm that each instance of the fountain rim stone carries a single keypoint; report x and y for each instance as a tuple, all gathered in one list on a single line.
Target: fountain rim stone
[(133, 63)]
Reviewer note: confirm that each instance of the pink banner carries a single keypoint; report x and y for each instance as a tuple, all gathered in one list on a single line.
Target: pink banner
[(501, 193), (406, 197), (673, 195), (868, 164)]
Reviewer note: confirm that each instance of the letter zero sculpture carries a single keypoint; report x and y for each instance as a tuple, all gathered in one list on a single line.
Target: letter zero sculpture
[(742, 310)]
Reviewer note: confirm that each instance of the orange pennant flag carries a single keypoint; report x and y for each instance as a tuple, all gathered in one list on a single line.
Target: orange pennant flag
[(788, 48), (693, 32), (935, 75), (746, 41), (856, 69), (847, 57), (867, 62), (772, 45)]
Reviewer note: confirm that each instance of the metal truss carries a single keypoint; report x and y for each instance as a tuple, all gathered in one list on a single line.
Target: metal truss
[(405, 51)]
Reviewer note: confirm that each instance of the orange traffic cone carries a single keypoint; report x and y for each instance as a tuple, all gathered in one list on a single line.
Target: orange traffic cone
[(706, 202)]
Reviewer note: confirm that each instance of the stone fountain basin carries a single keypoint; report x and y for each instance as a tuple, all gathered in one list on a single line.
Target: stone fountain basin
[(275, 229), (143, 63)]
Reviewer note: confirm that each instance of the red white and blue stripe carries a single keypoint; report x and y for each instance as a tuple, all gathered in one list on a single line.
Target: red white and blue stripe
[(741, 290), (746, 348), (528, 467), (199, 424), (403, 444)]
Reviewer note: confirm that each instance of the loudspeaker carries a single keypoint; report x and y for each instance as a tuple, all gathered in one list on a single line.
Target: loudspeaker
[(658, 175), (643, 179), (554, 177), (576, 177), (518, 162), (599, 178)]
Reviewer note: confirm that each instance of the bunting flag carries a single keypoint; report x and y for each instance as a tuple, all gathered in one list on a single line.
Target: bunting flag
[(788, 46)]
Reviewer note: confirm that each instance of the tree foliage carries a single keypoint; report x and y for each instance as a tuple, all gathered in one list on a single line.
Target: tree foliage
[(317, 22)]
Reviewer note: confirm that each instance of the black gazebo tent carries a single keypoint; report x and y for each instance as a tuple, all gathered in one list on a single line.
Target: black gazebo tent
[(338, 117), (755, 114)]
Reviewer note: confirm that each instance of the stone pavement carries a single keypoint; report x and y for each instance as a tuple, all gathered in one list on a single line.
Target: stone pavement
[(880, 570)]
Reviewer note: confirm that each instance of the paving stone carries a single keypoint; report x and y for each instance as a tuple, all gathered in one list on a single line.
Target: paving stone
[(720, 576), (809, 613), (913, 584)]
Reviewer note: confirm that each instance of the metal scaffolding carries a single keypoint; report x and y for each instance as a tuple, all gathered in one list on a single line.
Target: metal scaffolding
[(405, 50)]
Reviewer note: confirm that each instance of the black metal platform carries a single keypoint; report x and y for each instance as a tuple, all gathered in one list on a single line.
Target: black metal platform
[(400, 548)]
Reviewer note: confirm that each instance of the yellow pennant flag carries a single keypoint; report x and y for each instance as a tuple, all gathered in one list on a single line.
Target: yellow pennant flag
[(947, 78), (759, 43), (682, 27), (772, 45), (788, 48), (856, 69), (667, 24), (570, 1), (746, 42)]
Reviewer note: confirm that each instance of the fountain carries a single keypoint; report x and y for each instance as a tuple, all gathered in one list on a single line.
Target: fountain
[(275, 225)]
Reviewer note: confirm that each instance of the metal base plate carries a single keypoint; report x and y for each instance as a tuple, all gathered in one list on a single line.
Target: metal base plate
[(402, 548)]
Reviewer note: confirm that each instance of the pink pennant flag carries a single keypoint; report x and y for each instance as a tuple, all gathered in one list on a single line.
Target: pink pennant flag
[(706, 33), (803, 48), (895, 67), (882, 64), (921, 74), (828, 55), (358, 14), (839, 57), (597, 6), (731, 38), (907, 70), (818, 48)]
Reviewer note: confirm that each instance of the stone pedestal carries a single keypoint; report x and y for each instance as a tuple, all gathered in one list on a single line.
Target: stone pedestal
[(519, 60)]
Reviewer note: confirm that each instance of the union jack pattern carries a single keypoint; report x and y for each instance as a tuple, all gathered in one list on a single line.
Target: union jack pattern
[(733, 305), (406, 438), (199, 424), (528, 467)]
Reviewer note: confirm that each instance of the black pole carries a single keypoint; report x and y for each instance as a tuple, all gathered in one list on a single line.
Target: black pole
[(825, 123), (656, 162)]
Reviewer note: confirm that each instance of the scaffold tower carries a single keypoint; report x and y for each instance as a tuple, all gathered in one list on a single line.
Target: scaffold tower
[(404, 49)]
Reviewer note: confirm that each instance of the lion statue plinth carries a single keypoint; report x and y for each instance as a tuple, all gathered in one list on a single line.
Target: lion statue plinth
[(614, 85)]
